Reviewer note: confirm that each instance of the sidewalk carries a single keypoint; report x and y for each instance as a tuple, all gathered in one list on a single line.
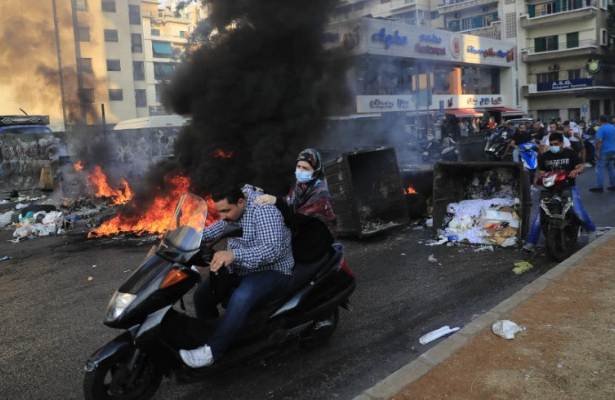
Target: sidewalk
[(567, 351)]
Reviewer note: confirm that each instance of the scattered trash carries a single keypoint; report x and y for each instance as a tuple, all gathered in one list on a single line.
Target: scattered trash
[(429, 223), (506, 329), (6, 218), (483, 248), (5, 258), (522, 267), (126, 271), (20, 206), (441, 240), (90, 278), (432, 259), (94, 266), (437, 334), (403, 254)]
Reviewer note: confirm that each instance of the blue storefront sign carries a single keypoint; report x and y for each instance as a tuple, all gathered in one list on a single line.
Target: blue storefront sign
[(389, 39), (564, 84)]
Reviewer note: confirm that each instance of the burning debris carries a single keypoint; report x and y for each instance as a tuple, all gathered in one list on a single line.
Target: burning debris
[(100, 183), (156, 219)]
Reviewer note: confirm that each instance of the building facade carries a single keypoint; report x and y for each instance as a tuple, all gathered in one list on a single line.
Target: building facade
[(564, 46), (561, 46), (109, 58)]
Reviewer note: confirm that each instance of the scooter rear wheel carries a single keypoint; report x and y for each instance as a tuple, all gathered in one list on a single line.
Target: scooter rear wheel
[(112, 380)]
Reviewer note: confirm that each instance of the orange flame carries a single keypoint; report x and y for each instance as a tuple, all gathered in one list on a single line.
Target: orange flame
[(157, 218), (78, 166), (219, 153), (410, 190), (100, 183)]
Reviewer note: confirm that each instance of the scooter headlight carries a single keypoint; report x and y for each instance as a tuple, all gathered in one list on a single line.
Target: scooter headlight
[(119, 302)]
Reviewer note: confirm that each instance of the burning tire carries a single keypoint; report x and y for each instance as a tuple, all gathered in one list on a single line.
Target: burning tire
[(114, 380)]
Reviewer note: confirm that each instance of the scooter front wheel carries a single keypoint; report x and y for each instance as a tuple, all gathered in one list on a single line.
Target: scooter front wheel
[(125, 376)]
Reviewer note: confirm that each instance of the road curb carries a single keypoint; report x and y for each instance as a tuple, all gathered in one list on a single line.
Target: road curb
[(394, 383)]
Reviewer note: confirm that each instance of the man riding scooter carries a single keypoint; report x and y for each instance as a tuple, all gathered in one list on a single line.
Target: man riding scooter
[(558, 157), (261, 262)]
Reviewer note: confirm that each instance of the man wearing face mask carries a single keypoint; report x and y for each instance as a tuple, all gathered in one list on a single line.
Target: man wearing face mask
[(558, 158), (307, 209)]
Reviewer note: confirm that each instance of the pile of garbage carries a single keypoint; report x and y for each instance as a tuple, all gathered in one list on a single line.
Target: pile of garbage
[(487, 222), (33, 216)]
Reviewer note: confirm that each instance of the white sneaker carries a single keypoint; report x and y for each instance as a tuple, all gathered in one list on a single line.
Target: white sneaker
[(197, 358), (529, 247)]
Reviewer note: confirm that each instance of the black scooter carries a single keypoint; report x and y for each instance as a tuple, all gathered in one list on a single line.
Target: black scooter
[(132, 365)]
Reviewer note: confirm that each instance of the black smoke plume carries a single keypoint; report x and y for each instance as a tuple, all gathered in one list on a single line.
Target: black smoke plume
[(259, 89)]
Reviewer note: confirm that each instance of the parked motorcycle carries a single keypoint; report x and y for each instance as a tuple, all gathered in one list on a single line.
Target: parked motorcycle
[(528, 153), (132, 365), (559, 223), (497, 144)]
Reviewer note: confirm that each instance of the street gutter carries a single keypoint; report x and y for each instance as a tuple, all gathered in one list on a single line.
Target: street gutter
[(394, 383)]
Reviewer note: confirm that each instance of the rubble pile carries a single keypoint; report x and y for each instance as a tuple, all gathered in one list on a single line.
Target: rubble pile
[(38, 216)]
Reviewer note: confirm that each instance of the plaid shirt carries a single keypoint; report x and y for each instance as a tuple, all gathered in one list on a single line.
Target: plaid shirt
[(265, 243)]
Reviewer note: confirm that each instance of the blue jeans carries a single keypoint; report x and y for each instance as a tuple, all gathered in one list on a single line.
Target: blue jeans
[(606, 161), (253, 289), (534, 234)]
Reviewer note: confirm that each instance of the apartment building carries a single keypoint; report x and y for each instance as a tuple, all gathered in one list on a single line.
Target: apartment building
[(133, 48), (96, 55), (564, 45)]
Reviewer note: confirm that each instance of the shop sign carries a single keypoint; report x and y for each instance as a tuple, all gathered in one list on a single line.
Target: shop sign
[(564, 84), (385, 103), (395, 39), (425, 45), (491, 52), (471, 101), (455, 46)]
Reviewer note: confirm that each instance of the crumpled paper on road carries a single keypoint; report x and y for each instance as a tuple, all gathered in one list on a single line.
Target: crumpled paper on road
[(506, 329)]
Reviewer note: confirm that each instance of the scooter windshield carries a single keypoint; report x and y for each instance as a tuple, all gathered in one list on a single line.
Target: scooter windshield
[(190, 217)]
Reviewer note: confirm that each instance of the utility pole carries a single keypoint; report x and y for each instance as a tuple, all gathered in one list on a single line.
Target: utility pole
[(60, 64)]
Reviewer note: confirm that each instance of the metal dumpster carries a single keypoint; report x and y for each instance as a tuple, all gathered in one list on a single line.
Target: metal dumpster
[(367, 192), (452, 181)]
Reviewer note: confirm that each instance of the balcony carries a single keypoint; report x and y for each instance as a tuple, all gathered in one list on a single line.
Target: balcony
[(391, 7), (544, 14), (450, 6), (585, 48), (492, 31)]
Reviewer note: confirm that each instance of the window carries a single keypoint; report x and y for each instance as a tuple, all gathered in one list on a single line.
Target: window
[(453, 25), (85, 65), (140, 98), (116, 94), (574, 114), (86, 95), (547, 43), (572, 40), (547, 77), (158, 93), (108, 5), (81, 5), (114, 65), (134, 14), (604, 37), (136, 43), (111, 35), (138, 71), (155, 32), (162, 49), (83, 34), (182, 34), (163, 71), (574, 74), (607, 107)]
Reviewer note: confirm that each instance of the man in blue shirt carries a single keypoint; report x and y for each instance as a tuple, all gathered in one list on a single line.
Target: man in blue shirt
[(605, 155), (261, 259)]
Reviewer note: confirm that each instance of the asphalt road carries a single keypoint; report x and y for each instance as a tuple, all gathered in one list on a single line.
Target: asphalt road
[(53, 299)]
